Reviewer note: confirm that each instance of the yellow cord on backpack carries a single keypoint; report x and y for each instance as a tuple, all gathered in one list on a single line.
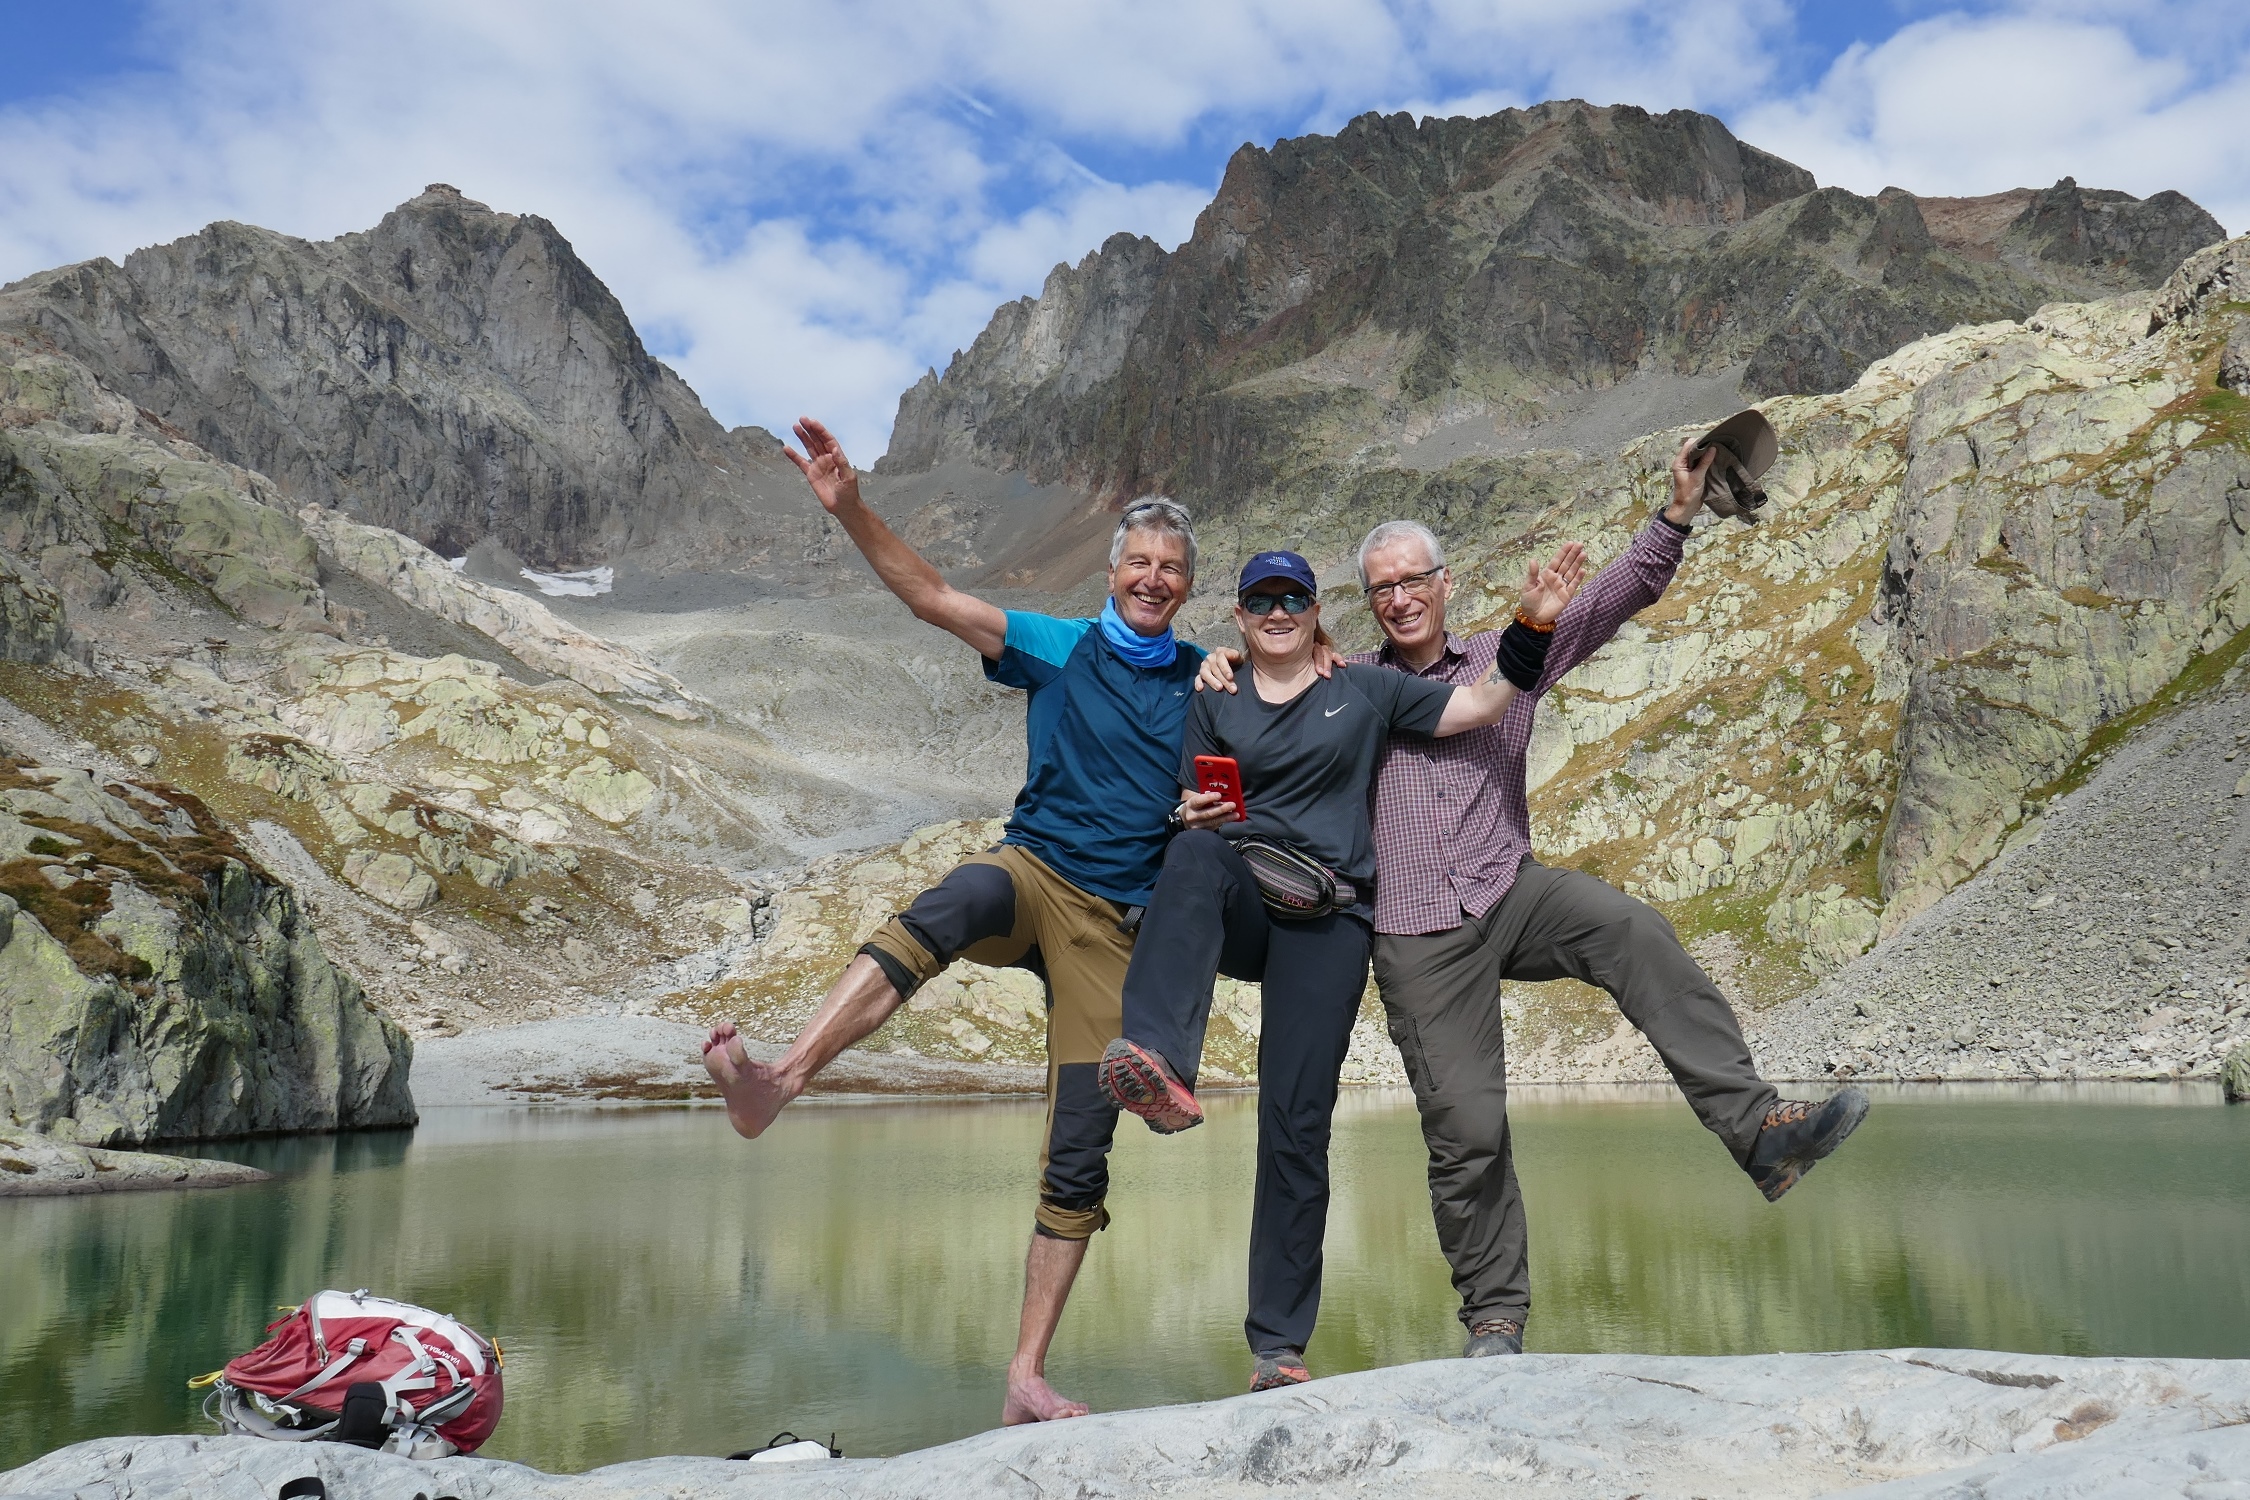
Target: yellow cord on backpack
[(200, 1381)]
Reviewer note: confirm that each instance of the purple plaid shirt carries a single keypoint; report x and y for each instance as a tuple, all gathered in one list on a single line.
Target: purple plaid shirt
[(1452, 816)]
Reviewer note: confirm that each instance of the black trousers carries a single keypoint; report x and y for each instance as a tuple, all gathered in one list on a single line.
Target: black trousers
[(1204, 920)]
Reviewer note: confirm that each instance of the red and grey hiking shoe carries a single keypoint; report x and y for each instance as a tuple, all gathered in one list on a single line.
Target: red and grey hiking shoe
[(1140, 1082), (1796, 1134), (1273, 1371), (1489, 1336)]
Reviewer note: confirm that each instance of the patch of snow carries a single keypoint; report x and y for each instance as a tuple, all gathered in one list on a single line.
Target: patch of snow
[(457, 564), (584, 584)]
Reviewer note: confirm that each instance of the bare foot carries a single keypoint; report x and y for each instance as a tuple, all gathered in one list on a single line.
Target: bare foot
[(754, 1091), (1031, 1399)]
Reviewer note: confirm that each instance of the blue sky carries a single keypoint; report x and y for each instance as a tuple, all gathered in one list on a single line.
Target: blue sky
[(805, 204)]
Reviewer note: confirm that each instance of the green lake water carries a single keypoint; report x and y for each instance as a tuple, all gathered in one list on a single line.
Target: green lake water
[(662, 1287)]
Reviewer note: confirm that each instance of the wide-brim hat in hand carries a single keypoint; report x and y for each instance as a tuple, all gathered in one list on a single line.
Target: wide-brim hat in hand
[(1746, 447)]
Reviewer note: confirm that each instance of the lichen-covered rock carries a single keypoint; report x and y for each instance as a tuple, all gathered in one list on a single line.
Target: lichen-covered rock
[(610, 794), (391, 879), (81, 473), (157, 984), (2234, 1075), (32, 623)]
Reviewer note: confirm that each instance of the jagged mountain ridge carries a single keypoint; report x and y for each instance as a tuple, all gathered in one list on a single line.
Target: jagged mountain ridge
[(1348, 291)]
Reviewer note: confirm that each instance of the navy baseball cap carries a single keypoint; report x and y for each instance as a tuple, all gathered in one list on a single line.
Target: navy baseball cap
[(1278, 565)]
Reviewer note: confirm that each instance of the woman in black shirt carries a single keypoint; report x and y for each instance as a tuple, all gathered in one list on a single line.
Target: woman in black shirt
[(1285, 896)]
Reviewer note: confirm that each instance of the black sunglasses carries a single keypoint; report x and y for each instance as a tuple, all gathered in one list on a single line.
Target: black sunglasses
[(1262, 605)]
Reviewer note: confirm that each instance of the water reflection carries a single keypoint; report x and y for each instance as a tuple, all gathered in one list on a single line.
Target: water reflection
[(661, 1287)]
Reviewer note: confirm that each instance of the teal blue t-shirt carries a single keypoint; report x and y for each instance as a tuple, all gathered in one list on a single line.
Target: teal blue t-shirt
[(1101, 775)]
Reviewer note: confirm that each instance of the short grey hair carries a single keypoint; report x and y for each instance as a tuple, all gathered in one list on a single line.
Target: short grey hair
[(1157, 514), (1398, 531)]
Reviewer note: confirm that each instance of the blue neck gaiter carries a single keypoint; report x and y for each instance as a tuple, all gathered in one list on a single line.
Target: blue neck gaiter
[(1140, 650)]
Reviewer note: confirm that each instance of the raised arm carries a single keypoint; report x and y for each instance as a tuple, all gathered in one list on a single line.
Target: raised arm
[(904, 571), (1547, 590), (1631, 583)]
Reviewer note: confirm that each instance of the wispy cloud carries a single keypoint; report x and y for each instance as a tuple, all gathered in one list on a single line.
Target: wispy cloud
[(805, 202)]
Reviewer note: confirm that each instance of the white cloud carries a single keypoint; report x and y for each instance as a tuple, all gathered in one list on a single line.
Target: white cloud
[(805, 202), (1969, 105)]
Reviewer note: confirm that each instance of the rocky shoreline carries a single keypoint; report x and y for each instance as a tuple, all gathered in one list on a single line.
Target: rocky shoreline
[(1893, 1424), (32, 1166)]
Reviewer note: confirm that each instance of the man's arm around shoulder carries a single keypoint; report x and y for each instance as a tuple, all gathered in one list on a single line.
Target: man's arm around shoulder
[(903, 570)]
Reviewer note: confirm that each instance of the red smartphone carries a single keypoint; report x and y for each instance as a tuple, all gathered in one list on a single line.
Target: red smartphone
[(1220, 773)]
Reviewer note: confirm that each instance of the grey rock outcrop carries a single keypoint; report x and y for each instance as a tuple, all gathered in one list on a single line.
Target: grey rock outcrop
[(33, 1166), (32, 623), (528, 629), (453, 374), (1367, 286), (95, 498), (2047, 571), (1908, 1422), (157, 984)]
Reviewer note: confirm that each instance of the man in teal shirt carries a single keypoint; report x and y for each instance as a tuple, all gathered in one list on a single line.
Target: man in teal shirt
[(1062, 893)]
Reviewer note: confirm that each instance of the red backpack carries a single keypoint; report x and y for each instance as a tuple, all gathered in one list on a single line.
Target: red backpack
[(352, 1368)]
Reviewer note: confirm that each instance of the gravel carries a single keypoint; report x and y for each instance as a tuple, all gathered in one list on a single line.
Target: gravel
[(2109, 942)]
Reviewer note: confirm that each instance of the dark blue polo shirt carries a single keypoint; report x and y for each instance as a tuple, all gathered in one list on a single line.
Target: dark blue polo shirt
[(1104, 752)]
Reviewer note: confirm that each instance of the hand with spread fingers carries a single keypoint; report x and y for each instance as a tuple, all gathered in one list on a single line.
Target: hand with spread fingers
[(824, 466), (1548, 587)]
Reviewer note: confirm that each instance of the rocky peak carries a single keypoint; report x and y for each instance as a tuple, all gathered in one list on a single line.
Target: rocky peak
[(1402, 276), (454, 373)]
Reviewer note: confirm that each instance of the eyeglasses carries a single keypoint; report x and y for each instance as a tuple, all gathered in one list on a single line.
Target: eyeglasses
[(1262, 605), (1420, 585)]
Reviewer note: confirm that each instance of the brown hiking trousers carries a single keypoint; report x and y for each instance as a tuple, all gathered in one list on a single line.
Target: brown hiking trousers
[(1005, 908), (1441, 996)]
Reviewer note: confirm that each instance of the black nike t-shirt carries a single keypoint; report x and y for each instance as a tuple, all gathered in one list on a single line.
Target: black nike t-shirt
[(1307, 764)]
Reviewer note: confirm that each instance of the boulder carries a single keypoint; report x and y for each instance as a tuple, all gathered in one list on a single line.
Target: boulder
[(156, 983), (2234, 1075)]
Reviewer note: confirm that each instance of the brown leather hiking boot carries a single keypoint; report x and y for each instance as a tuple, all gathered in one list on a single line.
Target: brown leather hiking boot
[(1797, 1134), (1489, 1336)]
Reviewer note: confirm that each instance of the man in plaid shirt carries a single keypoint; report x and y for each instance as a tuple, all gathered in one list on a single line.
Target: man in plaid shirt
[(1460, 905)]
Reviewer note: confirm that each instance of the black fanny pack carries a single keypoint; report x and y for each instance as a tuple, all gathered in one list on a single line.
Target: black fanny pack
[(1295, 886)]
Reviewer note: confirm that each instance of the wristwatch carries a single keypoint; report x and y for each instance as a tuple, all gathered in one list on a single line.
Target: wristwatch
[(1174, 821)]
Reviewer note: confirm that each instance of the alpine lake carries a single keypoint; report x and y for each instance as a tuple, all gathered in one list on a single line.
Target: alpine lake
[(659, 1286)]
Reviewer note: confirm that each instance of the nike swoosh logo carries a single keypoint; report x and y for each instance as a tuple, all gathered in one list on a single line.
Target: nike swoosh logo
[(1339, 708)]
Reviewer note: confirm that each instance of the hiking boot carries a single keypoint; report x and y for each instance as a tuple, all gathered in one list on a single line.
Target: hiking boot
[(1488, 1336), (1798, 1133), (1141, 1082), (1273, 1371)]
